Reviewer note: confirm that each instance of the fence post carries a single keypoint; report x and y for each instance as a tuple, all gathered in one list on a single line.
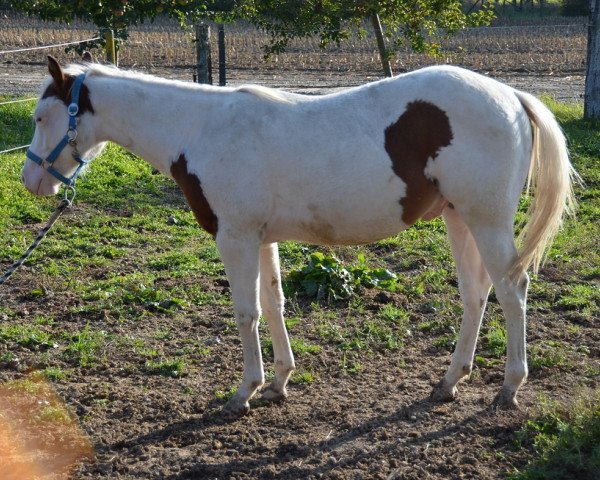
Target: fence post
[(222, 69), (203, 60), (111, 55), (591, 97)]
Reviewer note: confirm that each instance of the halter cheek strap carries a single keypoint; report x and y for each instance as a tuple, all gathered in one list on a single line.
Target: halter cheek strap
[(70, 138)]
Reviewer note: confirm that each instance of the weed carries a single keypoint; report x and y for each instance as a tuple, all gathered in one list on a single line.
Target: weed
[(302, 377), (84, 346), (564, 439), (549, 356), (495, 340), (226, 394), (153, 299), (54, 373), (28, 336), (55, 414), (394, 314), (325, 278), (166, 368), (349, 363), (581, 297)]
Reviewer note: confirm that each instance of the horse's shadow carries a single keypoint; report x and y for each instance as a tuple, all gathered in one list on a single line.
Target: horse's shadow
[(293, 455)]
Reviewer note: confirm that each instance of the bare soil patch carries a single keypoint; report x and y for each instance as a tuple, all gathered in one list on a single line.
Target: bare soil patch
[(376, 421)]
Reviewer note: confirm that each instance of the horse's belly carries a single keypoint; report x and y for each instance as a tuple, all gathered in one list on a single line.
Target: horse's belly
[(324, 224)]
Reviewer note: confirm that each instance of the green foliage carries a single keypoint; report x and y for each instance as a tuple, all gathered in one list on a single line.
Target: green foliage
[(119, 15), (419, 23), (564, 438), (326, 278), (416, 22)]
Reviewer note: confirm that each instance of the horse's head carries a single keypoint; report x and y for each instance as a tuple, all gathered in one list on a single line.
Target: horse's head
[(63, 133)]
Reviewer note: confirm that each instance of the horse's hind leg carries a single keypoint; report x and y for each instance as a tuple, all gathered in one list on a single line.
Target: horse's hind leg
[(495, 241), (271, 300), (474, 285)]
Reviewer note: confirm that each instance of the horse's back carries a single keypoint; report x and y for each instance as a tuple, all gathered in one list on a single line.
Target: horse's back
[(363, 164)]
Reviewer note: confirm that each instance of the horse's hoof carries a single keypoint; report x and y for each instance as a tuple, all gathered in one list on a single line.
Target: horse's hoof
[(443, 392), (505, 400), (274, 395), (235, 408)]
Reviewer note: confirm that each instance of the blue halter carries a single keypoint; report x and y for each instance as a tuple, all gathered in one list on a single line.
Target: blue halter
[(69, 138)]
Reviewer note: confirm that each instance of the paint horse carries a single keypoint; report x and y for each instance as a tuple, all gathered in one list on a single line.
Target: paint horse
[(259, 166)]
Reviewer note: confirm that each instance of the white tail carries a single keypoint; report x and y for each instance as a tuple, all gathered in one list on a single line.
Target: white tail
[(551, 176)]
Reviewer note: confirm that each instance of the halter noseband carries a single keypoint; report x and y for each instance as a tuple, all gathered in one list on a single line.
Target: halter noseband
[(69, 138)]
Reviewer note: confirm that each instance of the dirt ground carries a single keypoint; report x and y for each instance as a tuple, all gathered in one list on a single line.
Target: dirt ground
[(378, 423)]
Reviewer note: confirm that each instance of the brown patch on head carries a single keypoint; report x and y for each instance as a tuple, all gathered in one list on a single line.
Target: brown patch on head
[(62, 87), (418, 135), (192, 189)]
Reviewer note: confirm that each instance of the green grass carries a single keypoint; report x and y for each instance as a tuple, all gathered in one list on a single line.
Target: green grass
[(564, 439)]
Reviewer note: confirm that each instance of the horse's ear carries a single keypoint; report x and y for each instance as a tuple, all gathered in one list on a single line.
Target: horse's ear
[(56, 71), (87, 57)]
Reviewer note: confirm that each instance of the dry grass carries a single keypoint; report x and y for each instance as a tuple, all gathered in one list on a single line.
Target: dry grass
[(552, 45)]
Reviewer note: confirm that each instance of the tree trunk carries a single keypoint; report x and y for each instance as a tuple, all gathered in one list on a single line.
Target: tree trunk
[(383, 55), (591, 108)]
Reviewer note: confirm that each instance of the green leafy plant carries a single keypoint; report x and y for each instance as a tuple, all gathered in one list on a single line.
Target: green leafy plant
[(326, 278)]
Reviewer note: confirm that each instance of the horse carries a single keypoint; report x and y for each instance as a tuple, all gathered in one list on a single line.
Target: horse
[(259, 166)]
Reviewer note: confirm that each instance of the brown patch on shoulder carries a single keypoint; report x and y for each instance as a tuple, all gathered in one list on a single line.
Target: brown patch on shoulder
[(418, 135), (63, 92), (192, 189)]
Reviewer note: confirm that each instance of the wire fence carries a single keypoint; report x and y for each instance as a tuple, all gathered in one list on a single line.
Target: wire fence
[(43, 47), (23, 100)]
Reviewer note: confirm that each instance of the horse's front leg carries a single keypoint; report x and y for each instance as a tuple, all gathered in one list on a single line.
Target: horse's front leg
[(240, 255)]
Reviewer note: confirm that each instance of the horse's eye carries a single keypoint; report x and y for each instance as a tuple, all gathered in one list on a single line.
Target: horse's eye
[(38, 119)]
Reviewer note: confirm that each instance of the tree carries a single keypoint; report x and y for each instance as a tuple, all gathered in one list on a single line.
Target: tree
[(418, 23), (119, 15)]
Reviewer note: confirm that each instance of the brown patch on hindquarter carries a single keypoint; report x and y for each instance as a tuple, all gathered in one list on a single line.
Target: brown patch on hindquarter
[(418, 135), (192, 189)]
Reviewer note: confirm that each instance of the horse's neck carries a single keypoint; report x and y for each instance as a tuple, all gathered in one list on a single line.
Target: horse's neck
[(148, 119)]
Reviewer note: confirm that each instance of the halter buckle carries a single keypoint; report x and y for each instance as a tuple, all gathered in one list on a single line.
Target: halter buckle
[(73, 109), (71, 136)]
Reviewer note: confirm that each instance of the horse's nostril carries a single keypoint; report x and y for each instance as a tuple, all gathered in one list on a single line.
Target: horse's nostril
[(23, 179)]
